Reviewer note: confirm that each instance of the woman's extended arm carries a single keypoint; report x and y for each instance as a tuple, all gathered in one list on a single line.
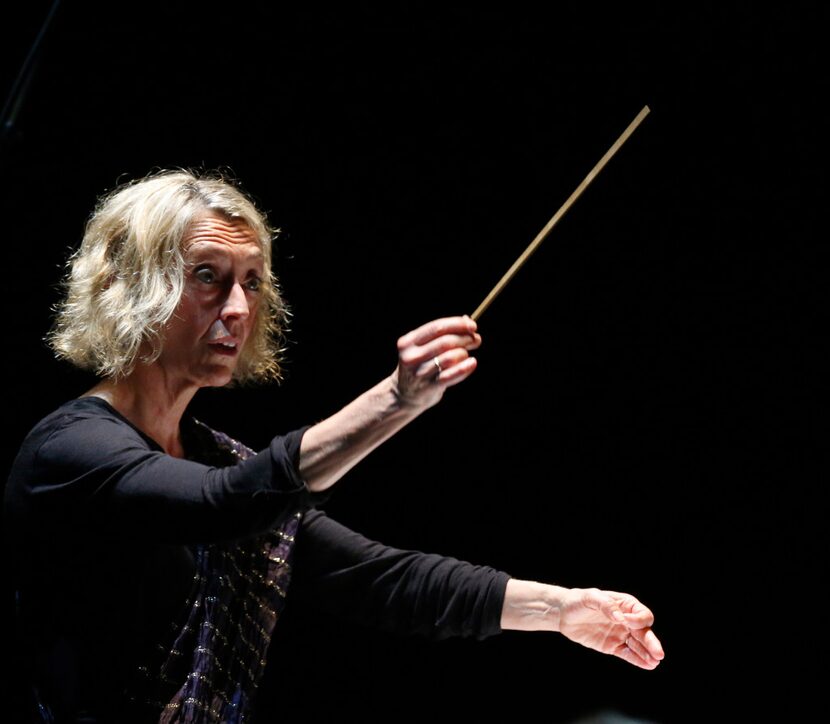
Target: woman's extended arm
[(430, 359), (342, 574)]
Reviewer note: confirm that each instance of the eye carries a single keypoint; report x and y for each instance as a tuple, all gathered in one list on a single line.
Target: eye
[(253, 284), (205, 274)]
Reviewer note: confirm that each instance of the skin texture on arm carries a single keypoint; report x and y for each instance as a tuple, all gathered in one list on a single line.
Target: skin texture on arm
[(430, 359), (605, 621)]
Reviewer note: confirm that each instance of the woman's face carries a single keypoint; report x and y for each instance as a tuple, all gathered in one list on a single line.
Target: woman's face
[(224, 268)]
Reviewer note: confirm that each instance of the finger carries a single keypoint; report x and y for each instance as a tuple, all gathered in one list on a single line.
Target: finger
[(447, 376), (636, 614), (642, 618), (458, 373), (635, 653), (446, 325), (638, 648), (646, 646), (415, 354), (441, 363), (650, 643), (605, 602)]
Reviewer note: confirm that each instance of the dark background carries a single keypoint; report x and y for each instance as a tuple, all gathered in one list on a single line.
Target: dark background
[(645, 415)]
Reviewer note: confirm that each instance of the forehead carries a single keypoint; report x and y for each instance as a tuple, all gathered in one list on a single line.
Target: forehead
[(212, 232)]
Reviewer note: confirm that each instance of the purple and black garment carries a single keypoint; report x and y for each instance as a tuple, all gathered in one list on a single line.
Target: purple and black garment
[(128, 560)]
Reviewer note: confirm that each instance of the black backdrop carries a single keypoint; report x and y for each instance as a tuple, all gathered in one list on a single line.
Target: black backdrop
[(645, 413)]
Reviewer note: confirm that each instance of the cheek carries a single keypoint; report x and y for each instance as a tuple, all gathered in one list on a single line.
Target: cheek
[(253, 309), (186, 329), (251, 322), (195, 307)]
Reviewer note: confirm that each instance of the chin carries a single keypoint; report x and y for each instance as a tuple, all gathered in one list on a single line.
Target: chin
[(217, 383), (217, 378)]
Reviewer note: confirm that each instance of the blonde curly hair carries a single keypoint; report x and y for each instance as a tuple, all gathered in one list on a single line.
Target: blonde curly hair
[(125, 281)]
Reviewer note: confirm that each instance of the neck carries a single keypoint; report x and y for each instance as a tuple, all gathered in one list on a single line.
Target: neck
[(151, 403)]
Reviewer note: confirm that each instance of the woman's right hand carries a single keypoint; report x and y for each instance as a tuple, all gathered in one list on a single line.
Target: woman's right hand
[(433, 357)]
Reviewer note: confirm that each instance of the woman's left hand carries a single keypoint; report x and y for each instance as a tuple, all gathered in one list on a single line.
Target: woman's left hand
[(433, 357), (612, 623)]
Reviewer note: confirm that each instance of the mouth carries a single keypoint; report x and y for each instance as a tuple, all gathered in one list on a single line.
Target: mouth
[(227, 348)]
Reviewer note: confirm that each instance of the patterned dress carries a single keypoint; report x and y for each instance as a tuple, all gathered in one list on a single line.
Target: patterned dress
[(212, 664)]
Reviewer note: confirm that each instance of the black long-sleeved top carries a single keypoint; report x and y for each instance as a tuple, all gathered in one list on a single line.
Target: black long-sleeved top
[(102, 526)]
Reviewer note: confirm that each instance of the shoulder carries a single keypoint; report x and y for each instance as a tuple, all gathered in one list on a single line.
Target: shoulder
[(77, 433), (87, 421), (72, 450)]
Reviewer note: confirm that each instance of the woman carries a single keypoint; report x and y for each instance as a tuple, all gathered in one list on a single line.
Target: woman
[(153, 553)]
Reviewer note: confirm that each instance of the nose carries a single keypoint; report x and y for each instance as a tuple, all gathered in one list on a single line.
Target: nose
[(236, 304)]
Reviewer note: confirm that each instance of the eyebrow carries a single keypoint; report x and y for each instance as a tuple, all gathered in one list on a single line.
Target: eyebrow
[(209, 251)]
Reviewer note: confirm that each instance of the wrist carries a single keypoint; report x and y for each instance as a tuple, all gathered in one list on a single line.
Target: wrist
[(408, 404), (532, 606)]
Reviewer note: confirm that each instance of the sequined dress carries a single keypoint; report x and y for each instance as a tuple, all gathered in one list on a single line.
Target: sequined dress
[(105, 563), (211, 668)]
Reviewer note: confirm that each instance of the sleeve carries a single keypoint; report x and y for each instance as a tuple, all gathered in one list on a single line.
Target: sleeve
[(343, 574), (110, 478)]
